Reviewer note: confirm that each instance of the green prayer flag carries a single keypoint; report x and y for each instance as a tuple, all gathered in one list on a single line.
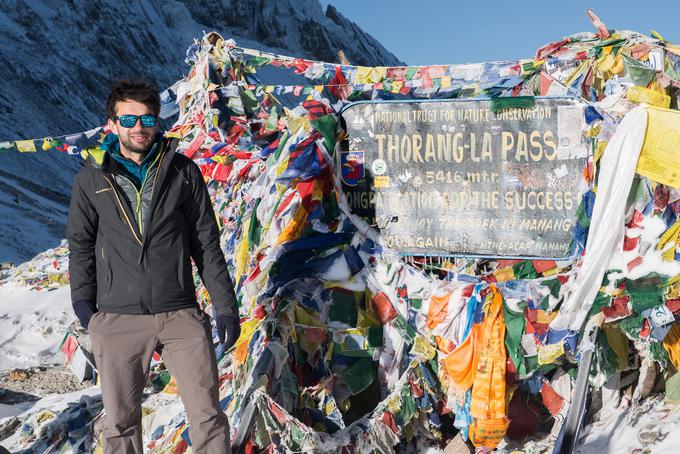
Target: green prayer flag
[(581, 216), (331, 210), (659, 354), (359, 375), (272, 120), (512, 102), (554, 285), (408, 405), (406, 330), (524, 270), (645, 292), (282, 144), (640, 74), (545, 302), (514, 328), (375, 336), (327, 126), (344, 307), (410, 72), (631, 325), (531, 362), (673, 388), (298, 436), (255, 228), (601, 300), (258, 61)]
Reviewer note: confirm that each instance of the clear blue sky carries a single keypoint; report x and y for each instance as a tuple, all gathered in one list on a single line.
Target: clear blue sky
[(426, 32)]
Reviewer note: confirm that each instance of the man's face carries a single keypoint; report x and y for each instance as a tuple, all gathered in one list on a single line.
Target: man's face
[(136, 139)]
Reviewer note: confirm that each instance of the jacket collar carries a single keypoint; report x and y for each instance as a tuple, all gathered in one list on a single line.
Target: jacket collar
[(100, 157)]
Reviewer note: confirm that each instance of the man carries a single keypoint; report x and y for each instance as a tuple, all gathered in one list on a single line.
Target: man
[(137, 218)]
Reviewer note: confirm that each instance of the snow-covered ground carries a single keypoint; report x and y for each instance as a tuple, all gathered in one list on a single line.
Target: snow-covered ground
[(32, 326)]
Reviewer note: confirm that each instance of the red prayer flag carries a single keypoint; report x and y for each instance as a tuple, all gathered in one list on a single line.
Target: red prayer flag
[(383, 307)]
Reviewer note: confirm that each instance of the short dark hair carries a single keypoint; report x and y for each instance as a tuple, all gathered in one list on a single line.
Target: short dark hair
[(133, 90)]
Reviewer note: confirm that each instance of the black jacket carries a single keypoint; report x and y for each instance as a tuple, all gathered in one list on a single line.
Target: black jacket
[(129, 272)]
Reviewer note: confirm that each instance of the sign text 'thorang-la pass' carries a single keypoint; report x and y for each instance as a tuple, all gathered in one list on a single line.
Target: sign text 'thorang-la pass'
[(465, 177)]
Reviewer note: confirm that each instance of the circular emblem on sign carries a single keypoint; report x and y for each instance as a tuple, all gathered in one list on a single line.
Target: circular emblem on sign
[(417, 181), (379, 167)]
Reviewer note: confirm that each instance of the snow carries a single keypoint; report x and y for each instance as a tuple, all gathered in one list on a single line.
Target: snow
[(54, 402), (32, 326), (13, 410), (652, 426), (651, 229)]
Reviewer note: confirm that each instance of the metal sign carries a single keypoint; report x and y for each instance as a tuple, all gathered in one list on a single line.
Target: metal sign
[(456, 177)]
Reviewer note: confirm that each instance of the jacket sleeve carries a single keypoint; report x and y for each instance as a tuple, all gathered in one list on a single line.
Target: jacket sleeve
[(205, 247), (81, 232)]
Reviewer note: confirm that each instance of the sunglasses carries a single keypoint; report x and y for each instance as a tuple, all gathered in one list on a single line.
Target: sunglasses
[(129, 121)]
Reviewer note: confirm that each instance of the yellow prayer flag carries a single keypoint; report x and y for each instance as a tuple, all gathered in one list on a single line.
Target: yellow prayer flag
[(393, 404), (670, 236), (661, 147), (397, 85), (379, 73), (241, 258), (422, 348), (545, 317), (578, 72), (25, 146), (295, 123), (648, 96), (504, 274), (47, 144), (446, 81), (599, 150), (605, 64), (96, 153), (672, 344), (548, 354), (363, 74), (618, 342)]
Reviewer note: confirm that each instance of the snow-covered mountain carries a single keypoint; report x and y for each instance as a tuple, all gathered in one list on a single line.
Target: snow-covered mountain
[(58, 59)]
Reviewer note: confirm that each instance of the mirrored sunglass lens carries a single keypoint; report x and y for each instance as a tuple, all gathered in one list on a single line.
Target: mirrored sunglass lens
[(127, 121), (148, 121)]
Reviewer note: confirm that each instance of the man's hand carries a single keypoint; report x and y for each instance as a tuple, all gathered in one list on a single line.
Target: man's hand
[(84, 311), (228, 330)]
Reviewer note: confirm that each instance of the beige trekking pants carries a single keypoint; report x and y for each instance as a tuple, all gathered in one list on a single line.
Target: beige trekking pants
[(123, 346)]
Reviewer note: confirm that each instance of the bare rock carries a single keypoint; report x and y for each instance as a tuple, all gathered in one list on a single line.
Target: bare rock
[(458, 446), (18, 375)]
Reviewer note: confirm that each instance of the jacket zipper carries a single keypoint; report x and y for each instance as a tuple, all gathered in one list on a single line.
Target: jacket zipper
[(138, 194), (153, 189), (127, 219), (138, 209), (151, 207)]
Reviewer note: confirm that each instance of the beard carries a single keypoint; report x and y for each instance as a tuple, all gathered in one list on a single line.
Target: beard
[(136, 147)]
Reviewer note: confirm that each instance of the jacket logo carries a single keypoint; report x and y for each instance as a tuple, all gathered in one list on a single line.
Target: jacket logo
[(103, 190)]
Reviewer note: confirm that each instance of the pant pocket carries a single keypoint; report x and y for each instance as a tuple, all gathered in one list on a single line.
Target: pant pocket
[(93, 321)]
